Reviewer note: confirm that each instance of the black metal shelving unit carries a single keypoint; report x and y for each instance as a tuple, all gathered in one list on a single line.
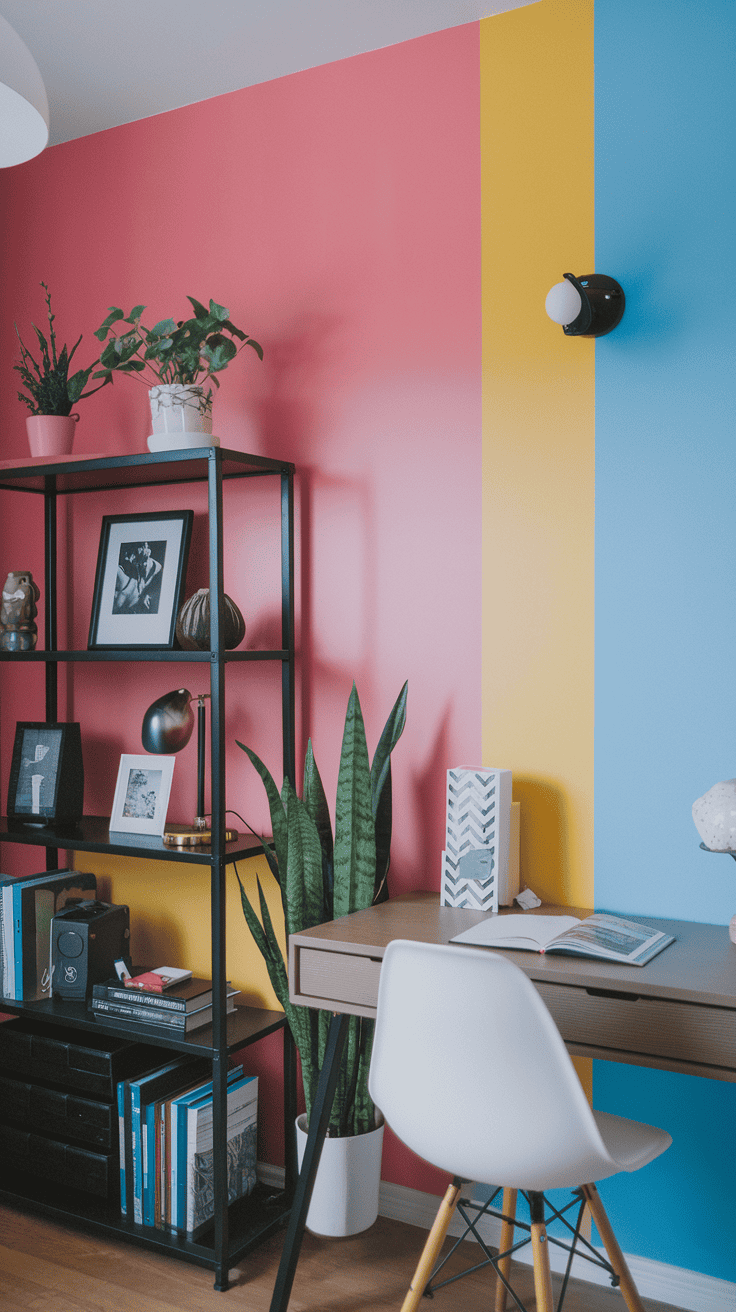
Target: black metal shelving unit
[(239, 1228)]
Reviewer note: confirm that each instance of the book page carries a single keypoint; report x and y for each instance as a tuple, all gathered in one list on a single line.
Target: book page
[(531, 933), (608, 936)]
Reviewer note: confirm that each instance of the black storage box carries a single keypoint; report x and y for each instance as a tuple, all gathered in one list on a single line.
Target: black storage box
[(61, 1115), (54, 1055), (60, 1163)]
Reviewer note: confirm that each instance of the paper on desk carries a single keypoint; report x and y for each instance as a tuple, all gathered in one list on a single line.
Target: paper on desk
[(527, 899)]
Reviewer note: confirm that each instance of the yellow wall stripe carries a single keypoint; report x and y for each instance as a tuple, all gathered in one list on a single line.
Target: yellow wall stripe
[(537, 148)]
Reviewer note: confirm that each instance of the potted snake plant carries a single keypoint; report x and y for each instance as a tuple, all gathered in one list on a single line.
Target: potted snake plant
[(320, 878), (177, 359)]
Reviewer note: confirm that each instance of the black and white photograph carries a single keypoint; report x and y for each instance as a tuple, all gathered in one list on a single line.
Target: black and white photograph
[(142, 794), (141, 569), (138, 579)]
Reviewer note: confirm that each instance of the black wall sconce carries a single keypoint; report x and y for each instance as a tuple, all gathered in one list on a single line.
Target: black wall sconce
[(586, 307)]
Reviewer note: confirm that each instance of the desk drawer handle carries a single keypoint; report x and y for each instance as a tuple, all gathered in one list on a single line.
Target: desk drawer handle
[(613, 993)]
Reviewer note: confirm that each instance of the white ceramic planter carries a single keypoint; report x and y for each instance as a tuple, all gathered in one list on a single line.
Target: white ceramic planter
[(345, 1197), (181, 417)]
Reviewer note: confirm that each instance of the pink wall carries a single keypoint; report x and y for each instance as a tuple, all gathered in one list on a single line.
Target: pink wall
[(337, 214)]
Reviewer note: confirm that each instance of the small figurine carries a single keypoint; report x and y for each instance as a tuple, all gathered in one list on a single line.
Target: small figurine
[(18, 611)]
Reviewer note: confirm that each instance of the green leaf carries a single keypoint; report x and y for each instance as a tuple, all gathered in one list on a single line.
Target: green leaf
[(218, 311), (199, 310), (114, 314), (164, 328), (392, 731), (302, 889), (384, 822), (314, 798), (276, 808), (219, 355), (77, 383), (355, 838)]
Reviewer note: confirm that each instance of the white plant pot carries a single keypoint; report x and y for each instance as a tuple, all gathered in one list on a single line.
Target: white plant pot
[(345, 1197), (181, 417)]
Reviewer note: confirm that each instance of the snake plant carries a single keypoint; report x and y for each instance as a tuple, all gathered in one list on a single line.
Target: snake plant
[(321, 878)]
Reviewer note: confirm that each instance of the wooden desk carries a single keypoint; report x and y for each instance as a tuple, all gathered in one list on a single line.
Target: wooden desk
[(677, 1013)]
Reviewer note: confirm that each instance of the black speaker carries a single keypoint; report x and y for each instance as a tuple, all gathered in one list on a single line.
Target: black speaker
[(86, 941)]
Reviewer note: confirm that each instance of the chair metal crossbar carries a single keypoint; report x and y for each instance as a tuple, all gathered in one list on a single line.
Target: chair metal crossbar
[(500, 1261)]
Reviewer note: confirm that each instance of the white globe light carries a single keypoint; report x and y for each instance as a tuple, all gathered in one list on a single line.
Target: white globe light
[(563, 303), (24, 109)]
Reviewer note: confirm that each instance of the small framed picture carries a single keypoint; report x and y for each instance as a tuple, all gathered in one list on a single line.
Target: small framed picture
[(142, 794), (141, 568), (46, 773)]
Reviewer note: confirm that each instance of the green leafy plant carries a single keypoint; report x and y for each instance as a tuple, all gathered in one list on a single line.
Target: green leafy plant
[(49, 389), (321, 879), (189, 351)]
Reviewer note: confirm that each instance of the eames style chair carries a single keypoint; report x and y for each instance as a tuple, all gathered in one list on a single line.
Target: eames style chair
[(471, 1073)]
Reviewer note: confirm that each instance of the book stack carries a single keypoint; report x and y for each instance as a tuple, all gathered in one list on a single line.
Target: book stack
[(165, 1127), (27, 906), (181, 1007)]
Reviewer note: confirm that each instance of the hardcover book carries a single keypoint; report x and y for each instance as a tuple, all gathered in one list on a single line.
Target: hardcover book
[(242, 1112), (607, 938)]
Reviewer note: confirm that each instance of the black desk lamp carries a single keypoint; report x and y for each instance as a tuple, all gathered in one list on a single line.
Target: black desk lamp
[(167, 727)]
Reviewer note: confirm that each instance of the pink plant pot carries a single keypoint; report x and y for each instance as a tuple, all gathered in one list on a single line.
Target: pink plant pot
[(51, 435)]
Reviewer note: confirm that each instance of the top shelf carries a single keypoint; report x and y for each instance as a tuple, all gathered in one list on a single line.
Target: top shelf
[(94, 473)]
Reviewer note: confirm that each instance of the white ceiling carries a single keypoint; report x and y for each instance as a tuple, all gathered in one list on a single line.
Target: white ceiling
[(106, 62)]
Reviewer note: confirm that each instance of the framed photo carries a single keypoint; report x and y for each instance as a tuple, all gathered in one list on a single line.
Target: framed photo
[(46, 773), (141, 567), (142, 794)]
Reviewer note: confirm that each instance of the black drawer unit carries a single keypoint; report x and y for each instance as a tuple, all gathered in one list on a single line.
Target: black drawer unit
[(62, 1115), (91, 1063), (78, 1168)]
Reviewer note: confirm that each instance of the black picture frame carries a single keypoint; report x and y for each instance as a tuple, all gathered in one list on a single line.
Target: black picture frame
[(53, 792), (139, 581)]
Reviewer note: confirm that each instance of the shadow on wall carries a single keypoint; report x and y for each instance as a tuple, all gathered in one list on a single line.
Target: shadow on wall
[(544, 842), (430, 804)]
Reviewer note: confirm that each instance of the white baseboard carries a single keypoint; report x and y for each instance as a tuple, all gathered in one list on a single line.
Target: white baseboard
[(667, 1284)]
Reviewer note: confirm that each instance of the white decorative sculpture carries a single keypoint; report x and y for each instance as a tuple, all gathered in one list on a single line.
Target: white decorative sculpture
[(715, 816), (715, 820)]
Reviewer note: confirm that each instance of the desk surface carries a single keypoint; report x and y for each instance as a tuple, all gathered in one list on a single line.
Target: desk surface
[(678, 1012)]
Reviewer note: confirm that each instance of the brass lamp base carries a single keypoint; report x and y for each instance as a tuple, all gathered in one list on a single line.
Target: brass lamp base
[(193, 836)]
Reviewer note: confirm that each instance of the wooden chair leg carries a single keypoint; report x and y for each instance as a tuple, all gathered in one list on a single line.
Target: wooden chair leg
[(507, 1238), (435, 1240), (615, 1256), (540, 1253)]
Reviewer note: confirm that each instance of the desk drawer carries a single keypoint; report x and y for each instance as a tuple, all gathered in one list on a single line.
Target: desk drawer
[(680, 1031), (328, 978)]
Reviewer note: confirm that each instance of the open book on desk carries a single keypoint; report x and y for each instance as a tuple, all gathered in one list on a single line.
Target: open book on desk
[(608, 938)]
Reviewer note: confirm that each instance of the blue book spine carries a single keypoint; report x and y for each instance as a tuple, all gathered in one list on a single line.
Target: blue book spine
[(121, 1136), (149, 1171), (135, 1123), (17, 944)]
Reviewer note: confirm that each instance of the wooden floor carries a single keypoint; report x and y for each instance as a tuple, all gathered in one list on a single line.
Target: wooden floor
[(48, 1268)]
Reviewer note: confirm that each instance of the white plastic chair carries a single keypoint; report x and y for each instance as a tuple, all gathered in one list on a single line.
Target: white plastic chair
[(470, 1071)]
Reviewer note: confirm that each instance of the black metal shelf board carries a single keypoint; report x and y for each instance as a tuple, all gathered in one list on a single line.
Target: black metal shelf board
[(157, 655), (92, 834), (251, 1220), (102, 473), (246, 1025)]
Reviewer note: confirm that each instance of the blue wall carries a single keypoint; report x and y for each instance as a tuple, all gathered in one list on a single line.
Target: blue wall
[(666, 551)]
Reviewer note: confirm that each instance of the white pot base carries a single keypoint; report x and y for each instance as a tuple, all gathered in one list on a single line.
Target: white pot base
[(345, 1197), (180, 441)]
